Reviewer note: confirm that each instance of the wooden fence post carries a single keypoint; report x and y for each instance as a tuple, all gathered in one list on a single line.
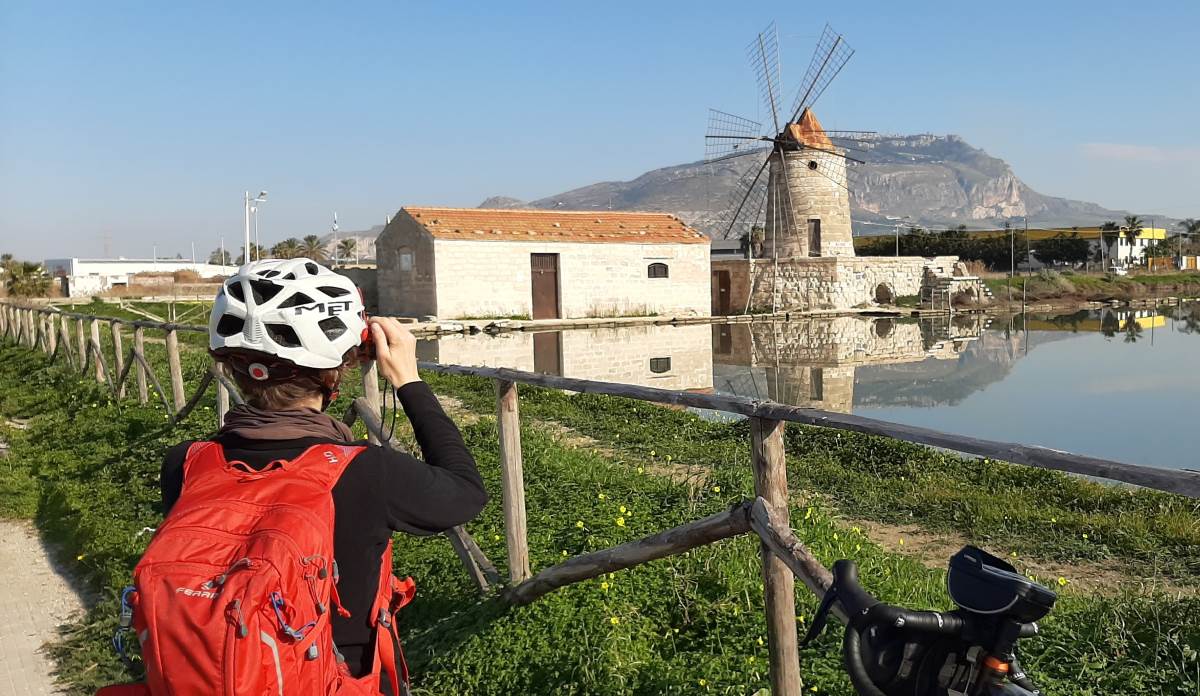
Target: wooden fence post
[(223, 397), (96, 347), (51, 334), (177, 388), (508, 420), (779, 585), (118, 357), (65, 328), (370, 384), (81, 339), (139, 347)]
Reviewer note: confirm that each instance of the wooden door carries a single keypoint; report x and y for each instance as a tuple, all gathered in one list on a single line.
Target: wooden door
[(720, 293), (547, 353), (814, 237), (545, 286)]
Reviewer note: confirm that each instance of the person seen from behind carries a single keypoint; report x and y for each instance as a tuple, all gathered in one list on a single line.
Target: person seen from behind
[(246, 586)]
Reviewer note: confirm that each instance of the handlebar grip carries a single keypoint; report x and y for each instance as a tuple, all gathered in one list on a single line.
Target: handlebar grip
[(854, 599)]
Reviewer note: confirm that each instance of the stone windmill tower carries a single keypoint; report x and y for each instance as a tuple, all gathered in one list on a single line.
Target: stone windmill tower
[(801, 207)]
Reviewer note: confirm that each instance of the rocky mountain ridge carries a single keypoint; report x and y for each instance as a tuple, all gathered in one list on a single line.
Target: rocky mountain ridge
[(936, 181)]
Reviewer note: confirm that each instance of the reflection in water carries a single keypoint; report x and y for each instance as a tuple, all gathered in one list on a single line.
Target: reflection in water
[(1047, 380), (814, 362)]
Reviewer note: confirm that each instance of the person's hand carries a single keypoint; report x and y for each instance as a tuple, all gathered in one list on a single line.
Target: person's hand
[(395, 351)]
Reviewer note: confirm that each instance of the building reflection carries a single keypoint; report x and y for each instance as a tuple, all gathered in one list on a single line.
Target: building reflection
[(813, 362), (667, 357)]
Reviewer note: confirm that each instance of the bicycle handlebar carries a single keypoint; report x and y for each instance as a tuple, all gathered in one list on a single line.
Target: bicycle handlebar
[(862, 608)]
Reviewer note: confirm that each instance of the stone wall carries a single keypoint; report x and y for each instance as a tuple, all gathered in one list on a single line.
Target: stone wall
[(405, 272), (810, 190), (610, 355), (828, 283), (494, 278), (365, 279)]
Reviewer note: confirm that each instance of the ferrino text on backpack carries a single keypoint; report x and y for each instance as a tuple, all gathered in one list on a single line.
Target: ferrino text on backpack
[(236, 591)]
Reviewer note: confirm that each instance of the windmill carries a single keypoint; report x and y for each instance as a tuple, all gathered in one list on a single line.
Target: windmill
[(795, 203)]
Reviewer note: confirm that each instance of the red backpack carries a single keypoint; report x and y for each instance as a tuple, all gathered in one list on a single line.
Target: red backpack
[(236, 592)]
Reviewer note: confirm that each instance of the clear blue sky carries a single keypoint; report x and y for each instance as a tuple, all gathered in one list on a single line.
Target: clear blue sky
[(145, 122)]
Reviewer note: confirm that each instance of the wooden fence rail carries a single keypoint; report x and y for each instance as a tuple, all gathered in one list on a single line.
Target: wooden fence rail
[(783, 557)]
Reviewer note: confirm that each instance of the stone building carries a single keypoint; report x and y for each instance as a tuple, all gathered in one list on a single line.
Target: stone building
[(803, 258), (459, 263)]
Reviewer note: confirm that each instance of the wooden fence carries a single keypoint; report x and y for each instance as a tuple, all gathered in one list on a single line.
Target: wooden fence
[(783, 557)]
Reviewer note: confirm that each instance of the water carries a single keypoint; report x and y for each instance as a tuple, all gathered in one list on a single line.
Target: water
[(1117, 384)]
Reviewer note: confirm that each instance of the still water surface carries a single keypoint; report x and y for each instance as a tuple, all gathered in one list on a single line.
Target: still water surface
[(1122, 385)]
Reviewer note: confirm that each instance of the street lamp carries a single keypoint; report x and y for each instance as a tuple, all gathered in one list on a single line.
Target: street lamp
[(247, 200)]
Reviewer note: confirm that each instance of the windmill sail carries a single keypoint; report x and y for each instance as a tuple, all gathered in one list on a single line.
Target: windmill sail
[(828, 59), (763, 53)]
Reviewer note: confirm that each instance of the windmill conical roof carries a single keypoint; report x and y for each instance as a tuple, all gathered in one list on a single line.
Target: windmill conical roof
[(807, 130)]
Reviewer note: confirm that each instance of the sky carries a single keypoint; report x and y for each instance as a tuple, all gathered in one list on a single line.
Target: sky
[(133, 127)]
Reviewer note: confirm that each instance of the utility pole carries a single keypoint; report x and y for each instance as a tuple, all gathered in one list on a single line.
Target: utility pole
[(1028, 257), (335, 239)]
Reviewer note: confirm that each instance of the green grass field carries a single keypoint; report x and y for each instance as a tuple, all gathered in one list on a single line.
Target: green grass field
[(86, 469)]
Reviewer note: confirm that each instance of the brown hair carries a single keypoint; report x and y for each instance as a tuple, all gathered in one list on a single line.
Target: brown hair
[(293, 385)]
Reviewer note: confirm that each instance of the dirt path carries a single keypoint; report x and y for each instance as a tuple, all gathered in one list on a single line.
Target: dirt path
[(36, 599)]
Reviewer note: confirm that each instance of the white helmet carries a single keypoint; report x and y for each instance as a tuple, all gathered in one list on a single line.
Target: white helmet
[(295, 309)]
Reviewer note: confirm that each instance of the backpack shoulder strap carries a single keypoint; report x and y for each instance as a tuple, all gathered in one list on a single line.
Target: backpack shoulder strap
[(325, 464)]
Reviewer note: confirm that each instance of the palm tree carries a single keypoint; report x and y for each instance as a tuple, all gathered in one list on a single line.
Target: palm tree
[(289, 248), (1108, 226), (257, 251), (1133, 330), (27, 279), (219, 257), (345, 248), (312, 248), (1132, 229)]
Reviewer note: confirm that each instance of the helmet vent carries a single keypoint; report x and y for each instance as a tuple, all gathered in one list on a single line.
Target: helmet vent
[(235, 289), (290, 276), (333, 291), (333, 327), (312, 268), (283, 334), (229, 325), (263, 290), (296, 299)]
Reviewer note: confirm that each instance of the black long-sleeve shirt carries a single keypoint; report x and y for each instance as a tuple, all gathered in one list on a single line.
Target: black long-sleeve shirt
[(380, 491)]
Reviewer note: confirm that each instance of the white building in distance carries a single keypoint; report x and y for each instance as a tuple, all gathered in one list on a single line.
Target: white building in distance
[(87, 277), (460, 263)]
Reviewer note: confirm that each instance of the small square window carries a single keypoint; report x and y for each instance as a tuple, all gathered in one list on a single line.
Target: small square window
[(660, 365), (406, 262), (657, 270)]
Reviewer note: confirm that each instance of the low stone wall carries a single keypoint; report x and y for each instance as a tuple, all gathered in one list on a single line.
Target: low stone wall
[(829, 282)]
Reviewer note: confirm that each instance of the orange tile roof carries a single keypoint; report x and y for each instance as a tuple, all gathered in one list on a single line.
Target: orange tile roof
[(808, 131), (554, 226)]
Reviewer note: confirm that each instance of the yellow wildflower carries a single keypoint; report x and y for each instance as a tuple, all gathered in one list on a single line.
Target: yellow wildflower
[(702, 682), (902, 541), (858, 547), (1085, 537), (579, 524), (614, 621), (564, 554), (604, 586), (623, 510), (750, 659), (495, 537), (835, 536), (600, 496), (80, 557), (716, 489), (1062, 582), (760, 640), (652, 453), (856, 530), (641, 470), (808, 513), (620, 521), (1053, 520)]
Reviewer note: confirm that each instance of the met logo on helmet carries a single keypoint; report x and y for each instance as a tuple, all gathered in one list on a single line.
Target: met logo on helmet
[(330, 308)]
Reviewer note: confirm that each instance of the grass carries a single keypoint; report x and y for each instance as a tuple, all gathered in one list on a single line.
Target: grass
[(689, 624), (1048, 285)]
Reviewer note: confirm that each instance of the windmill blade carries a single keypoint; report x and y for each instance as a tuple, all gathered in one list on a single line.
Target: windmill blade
[(745, 203), (741, 153), (830, 56), (728, 134), (763, 53)]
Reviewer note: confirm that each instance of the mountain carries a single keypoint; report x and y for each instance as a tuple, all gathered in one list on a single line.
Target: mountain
[(935, 181), (364, 242)]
